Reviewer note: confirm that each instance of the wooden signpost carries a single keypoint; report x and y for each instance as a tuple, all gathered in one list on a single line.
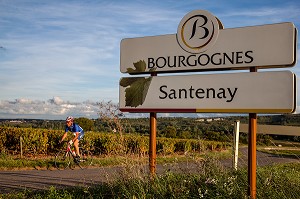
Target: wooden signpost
[(201, 44)]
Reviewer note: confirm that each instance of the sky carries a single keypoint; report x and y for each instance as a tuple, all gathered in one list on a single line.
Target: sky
[(62, 57)]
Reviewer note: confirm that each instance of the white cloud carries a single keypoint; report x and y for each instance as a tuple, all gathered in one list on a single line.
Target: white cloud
[(23, 101), (50, 109), (56, 100)]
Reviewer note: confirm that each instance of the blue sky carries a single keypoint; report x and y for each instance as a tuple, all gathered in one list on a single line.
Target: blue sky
[(61, 57)]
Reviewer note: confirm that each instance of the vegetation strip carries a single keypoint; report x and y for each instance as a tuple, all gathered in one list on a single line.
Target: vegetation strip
[(212, 181)]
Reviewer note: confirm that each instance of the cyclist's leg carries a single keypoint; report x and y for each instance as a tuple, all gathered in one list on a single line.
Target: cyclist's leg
[(76, 144)]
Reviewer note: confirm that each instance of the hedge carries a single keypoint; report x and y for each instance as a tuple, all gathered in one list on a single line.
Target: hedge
[(44, 141)]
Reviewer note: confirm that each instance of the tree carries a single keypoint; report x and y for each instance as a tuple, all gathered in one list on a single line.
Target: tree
[(170, 132), (85, 123), (110, 114)]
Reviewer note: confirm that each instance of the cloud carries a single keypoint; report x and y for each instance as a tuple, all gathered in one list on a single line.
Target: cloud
[(54, 108), (57, 108), (55, 100)]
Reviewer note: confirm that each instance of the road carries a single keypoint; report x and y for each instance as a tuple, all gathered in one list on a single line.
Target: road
[(14, 181)]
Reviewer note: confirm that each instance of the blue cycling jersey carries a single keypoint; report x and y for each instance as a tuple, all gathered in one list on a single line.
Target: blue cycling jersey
[(74, 129)]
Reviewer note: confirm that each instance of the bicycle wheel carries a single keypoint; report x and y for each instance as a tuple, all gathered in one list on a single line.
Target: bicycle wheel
[(86, 158), (62, 160)]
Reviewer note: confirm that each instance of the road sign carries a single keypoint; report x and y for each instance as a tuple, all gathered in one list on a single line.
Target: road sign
[(265, 46), (201, 44), (261, 92)]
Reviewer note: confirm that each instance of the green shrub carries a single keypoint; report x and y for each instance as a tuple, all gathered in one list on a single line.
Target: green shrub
[(43, 141)]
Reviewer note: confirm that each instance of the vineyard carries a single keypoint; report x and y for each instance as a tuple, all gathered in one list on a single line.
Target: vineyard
[(43, 141), (210, 180)]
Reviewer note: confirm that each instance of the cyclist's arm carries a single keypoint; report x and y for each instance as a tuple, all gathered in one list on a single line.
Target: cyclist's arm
[(64, 136)]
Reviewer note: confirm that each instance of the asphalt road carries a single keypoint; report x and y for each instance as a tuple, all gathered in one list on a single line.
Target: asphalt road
[(14, 181)]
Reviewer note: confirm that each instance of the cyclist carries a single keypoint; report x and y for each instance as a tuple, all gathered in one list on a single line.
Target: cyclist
[(78, 133)]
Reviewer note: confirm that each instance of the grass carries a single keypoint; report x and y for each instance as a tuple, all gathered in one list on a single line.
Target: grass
[(211, 181), (10, 162), (281, 148)]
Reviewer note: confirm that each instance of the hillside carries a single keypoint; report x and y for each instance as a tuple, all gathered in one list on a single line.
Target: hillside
[(217, 128)]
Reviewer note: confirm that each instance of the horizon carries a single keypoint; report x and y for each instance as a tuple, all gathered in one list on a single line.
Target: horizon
[(210, 116)]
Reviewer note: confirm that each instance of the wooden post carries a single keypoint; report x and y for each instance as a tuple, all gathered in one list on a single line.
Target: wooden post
[(152, 142), (252, 151)]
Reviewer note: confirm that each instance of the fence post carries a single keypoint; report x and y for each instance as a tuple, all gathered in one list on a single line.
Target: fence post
[(236, 134), (21, 147)]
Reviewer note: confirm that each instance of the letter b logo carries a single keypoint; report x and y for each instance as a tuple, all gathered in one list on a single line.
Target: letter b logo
[(197, 31)]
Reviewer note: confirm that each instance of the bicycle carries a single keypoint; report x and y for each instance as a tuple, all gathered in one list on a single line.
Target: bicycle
[(66, 158)]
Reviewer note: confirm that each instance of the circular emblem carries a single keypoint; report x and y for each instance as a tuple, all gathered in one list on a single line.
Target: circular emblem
[(197, 31)]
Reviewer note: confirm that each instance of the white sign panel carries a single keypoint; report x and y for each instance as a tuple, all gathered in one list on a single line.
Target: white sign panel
[(266, 46), (259, 92)]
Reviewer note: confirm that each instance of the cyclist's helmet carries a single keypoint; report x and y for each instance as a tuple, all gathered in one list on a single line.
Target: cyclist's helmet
[(69, 118)]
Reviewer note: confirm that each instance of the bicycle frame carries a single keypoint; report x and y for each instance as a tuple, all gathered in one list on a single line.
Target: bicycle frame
[(63, 158), (69, 150)]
